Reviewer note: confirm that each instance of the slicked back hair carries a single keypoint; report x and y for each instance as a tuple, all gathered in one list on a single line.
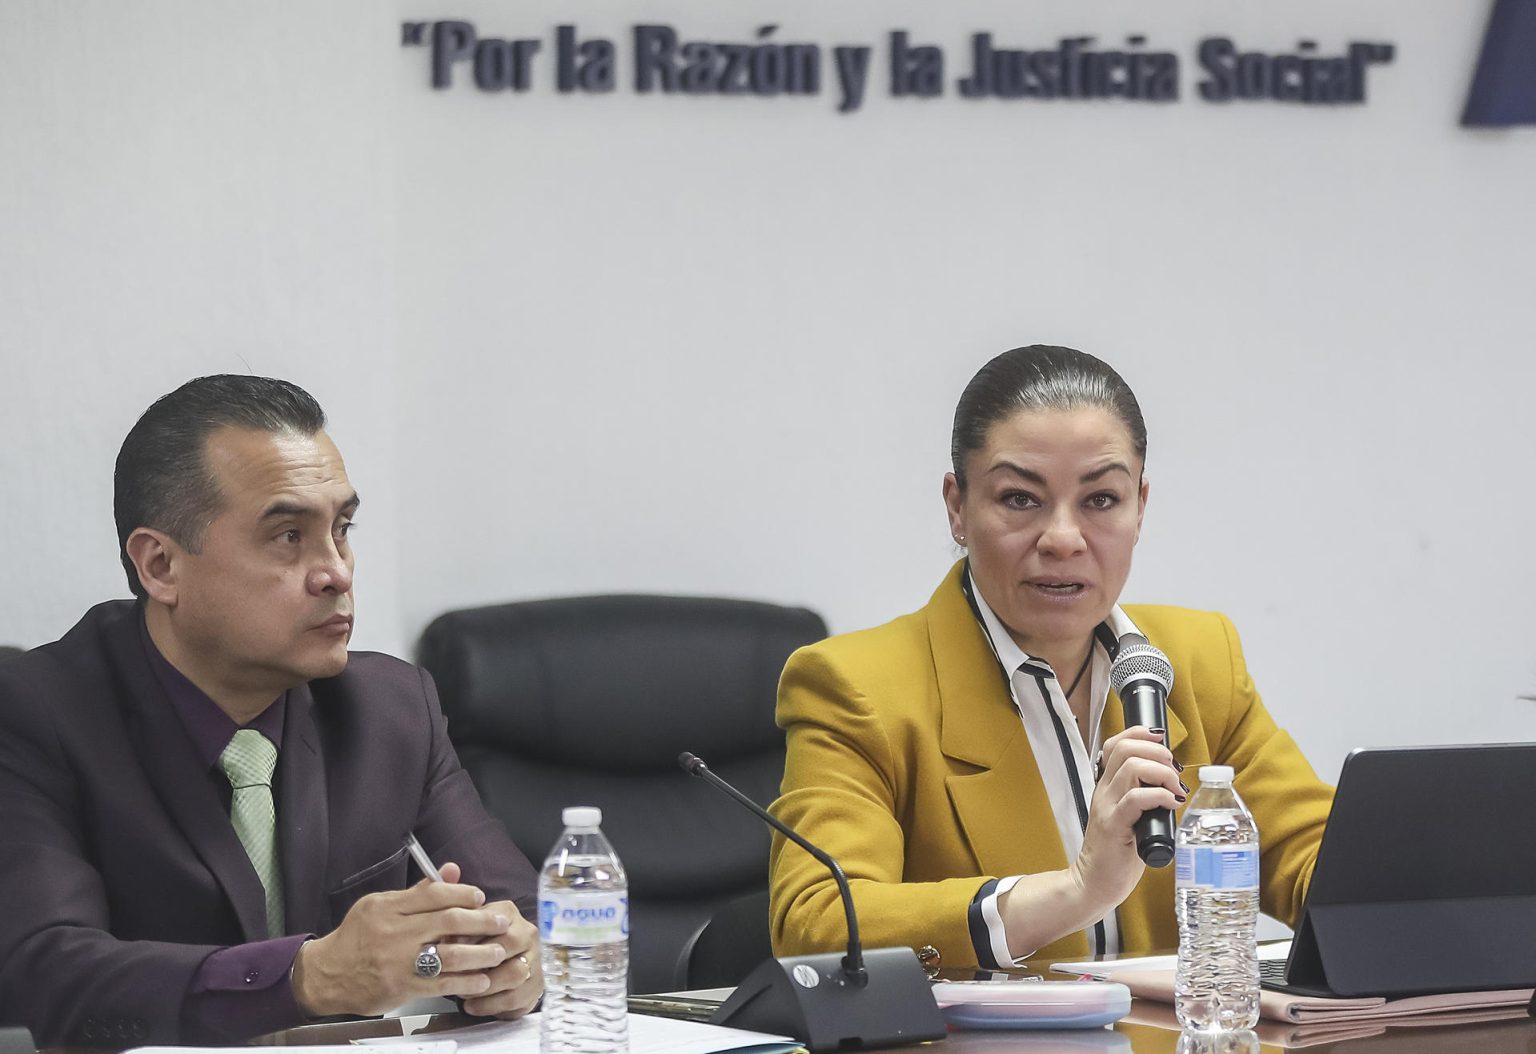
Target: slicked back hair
[(162, 479), (1039, 377)]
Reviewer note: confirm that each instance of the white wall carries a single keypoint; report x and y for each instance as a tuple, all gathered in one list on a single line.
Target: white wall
[(712, 345)]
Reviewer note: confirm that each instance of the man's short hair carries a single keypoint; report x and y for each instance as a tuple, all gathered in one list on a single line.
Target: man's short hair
[(162, 478)]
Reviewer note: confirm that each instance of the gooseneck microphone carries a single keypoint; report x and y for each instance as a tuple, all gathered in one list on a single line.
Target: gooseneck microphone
[(829, 1004), (1142, 677), (853, 962)]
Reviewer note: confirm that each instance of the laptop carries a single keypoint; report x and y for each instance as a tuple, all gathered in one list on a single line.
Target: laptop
[(1426, 878)]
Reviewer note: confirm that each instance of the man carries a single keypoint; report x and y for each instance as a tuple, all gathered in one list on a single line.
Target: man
[(195, 783)]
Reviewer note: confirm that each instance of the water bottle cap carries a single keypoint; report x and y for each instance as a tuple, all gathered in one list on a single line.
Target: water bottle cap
[(581, 816), (1215, 773)]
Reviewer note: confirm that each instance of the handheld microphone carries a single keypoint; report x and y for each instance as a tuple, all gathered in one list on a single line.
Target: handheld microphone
[(1142, 677), (825, 1002)]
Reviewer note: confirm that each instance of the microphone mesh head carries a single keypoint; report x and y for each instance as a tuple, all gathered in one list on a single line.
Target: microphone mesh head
[(1139, 657)]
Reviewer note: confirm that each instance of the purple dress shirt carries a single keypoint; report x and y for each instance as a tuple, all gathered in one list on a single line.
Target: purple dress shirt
[(245, 989)]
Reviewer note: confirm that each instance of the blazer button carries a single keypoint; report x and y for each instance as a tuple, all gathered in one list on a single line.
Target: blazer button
[(252, 976), (140, 1029), (88, 1029)]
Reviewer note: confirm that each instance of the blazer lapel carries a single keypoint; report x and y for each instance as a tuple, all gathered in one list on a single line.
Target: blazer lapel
[(181, 782), (982, 730), (303, 817)]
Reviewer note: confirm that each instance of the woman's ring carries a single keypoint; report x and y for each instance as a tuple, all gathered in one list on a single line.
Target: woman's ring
[(429, 963), (1098, 766)]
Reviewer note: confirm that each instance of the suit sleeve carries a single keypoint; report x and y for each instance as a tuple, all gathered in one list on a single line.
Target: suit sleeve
[(62, 973), (454, 825), (1289, 803), (843, 791)]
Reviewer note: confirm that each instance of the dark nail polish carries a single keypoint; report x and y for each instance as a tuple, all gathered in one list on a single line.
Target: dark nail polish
[(1183, 787), (1158, 731), (1181, 799), (1178, 766)]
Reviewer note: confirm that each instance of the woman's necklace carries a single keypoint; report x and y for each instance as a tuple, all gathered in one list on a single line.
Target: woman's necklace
[(1087, 662)]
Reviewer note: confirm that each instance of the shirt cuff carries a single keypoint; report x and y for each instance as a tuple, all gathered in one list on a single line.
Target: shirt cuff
[(987, 932), (244, 991)]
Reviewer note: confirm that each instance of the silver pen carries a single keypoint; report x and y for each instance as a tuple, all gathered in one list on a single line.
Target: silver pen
[(419, 855)]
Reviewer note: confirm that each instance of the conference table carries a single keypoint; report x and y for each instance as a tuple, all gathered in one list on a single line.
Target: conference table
[(1513, 1035), (1150, 1029)]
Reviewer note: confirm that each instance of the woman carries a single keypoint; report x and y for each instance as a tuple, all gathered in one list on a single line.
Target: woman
[(966, 764)]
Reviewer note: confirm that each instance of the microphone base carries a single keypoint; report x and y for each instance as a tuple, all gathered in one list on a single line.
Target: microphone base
[(808, 997)]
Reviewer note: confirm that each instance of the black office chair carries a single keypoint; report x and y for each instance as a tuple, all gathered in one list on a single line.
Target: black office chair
[(588, 701), (726, 948), (9, 652)]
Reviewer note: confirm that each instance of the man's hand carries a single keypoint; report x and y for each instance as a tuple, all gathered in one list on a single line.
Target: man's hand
[(518, 982), (368, 964)]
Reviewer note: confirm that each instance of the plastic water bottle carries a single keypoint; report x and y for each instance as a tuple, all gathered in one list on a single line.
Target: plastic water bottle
[(584, 941), (1216, 878)]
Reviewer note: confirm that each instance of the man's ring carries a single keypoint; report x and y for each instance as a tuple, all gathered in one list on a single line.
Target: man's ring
[(429, 963), (1098, 766)]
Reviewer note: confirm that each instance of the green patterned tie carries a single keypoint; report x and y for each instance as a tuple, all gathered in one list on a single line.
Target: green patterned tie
[(248, 761)]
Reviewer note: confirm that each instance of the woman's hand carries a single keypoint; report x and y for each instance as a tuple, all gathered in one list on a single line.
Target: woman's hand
[(1045, 907), (1138, 774)]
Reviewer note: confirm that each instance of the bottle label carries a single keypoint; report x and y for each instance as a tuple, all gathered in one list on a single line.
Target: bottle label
[(583, 919), (1234, 867)]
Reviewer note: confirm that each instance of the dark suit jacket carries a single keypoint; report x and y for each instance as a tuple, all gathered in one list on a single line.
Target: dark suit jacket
[(119, 869)]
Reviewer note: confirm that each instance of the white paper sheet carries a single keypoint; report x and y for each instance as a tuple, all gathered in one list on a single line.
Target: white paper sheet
[(402, 1045), (647, 1035)]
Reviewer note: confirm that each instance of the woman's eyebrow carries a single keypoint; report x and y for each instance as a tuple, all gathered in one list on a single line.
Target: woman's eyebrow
[(1104, 470), (1018, 470)]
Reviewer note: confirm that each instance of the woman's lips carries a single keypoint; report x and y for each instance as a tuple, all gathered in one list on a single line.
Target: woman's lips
[(1058, 588)]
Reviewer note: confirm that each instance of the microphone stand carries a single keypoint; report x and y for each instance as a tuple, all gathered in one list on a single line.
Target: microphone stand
[(828, 1003), (853, 962)]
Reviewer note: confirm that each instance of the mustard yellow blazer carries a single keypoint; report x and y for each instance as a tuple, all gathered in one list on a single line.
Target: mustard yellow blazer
[(909, 764)]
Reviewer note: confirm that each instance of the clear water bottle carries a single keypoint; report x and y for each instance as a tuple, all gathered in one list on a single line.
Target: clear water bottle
[(1216, 878), (584, 941)]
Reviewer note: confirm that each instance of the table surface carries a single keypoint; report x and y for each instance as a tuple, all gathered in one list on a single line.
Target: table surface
[(1150, 1029)]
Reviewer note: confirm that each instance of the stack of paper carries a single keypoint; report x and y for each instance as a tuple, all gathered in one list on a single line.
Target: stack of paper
[(1304, 1020)]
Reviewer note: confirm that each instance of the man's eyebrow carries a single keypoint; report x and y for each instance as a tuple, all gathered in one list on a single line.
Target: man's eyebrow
[(288, 507)]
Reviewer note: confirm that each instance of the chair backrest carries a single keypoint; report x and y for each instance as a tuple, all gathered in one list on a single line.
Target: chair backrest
[(9, 652), (729, 945), (589, 700)]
